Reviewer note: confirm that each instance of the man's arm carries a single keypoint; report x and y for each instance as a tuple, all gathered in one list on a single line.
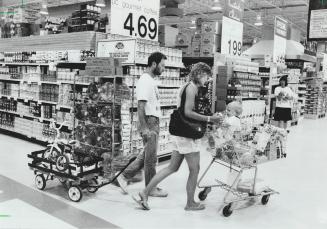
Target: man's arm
[(141, 114)]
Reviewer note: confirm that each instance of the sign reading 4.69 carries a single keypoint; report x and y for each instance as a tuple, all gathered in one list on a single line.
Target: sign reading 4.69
[(135, 18)]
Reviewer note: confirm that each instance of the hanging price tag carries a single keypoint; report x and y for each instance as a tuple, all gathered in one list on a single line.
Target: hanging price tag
[(231, 37), (135, 18)]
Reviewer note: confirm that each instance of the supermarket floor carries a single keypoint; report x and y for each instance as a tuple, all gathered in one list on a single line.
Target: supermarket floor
[(300, 179)]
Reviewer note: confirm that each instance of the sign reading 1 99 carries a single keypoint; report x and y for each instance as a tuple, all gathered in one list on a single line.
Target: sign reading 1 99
[(145, 27), (235, 48)]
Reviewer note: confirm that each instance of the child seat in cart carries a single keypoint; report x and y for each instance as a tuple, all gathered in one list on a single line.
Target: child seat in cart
[(266, 144)]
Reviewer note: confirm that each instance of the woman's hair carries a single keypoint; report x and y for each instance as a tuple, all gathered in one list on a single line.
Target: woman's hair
[(197, 70), (284, 78)]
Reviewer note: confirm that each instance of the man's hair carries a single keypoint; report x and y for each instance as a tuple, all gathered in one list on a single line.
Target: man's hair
[(156, 57), (197, 70), (284, 78)]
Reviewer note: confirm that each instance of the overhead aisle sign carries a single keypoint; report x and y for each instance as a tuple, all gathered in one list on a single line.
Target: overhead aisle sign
[(280, 41), (317, 21), (231, 37), (135, 18)]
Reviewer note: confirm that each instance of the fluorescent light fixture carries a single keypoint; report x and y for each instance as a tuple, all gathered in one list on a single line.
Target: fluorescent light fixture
[(44, 9), (100, 3), (258, 21), (193, 22), (192, 27), (217, 5)]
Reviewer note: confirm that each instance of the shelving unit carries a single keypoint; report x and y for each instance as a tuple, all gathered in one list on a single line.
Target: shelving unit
[(168, 84), (238, 78), (30, 78)]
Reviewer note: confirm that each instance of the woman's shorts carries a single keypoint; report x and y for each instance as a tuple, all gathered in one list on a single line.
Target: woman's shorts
[(283, 114), (184, 145)]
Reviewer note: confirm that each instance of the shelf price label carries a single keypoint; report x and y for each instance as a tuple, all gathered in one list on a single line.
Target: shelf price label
[(231, 37), (135, 18)]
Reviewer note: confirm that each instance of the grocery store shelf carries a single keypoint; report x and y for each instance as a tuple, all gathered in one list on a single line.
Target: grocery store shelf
[(72, 82), (11, 131), (8, 79), (144, 63), (9, 97), (162, 86), (24, 63), (62, 41), (10, 112), (44, 101), (64, 107)]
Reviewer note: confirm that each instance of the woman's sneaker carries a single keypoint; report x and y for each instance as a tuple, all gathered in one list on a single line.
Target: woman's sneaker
[(158, 192), (123, 183)]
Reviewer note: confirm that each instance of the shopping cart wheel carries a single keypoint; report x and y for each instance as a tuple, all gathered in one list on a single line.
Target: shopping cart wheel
[(265, 199), (40, 182), (62, 163), (204, 193), (93, 182), (75, 193), (227, 210)]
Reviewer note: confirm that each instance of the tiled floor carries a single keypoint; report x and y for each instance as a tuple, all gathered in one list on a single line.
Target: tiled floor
[(300, 179)]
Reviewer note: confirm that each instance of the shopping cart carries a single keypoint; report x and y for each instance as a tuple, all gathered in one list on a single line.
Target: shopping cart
[(239, 156)]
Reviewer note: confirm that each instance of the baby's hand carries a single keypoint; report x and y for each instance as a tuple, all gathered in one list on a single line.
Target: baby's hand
[(225, 125)]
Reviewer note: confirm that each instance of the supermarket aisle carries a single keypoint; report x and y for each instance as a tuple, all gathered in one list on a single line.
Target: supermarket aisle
[(299, 178)]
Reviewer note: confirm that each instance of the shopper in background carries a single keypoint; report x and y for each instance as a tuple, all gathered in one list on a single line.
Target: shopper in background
[(149, 112), (185, 147), (284, 102)]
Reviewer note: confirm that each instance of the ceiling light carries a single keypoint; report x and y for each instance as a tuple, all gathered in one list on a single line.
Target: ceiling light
[(193, 22), (216, 5), (44, 9), (100, 3), (192, 27), (258, 21)]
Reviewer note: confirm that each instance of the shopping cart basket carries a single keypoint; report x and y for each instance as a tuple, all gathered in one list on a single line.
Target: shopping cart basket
[(239, 156)]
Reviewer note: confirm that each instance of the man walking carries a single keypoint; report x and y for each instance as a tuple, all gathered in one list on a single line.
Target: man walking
[(149, 112)]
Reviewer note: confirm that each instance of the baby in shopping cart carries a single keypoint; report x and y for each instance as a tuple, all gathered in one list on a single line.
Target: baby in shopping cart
[(230, 128), (224, 136)]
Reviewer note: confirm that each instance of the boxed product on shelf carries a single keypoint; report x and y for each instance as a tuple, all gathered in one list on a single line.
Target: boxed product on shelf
[(49, 92), (8, 104), (210, 27), (7, 121), (184, 38), (65, 95), (9, 89)]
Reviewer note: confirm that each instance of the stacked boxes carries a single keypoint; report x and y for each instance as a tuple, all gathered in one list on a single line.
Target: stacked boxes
[(201, 43), (221, 88), (65, 95), (315, 103), (9, 89)]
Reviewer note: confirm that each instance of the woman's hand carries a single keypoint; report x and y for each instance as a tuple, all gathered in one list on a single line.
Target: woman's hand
[(217, 118)]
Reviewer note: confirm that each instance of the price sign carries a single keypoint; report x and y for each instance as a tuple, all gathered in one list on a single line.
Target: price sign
[(231, 37), (135, 18)]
